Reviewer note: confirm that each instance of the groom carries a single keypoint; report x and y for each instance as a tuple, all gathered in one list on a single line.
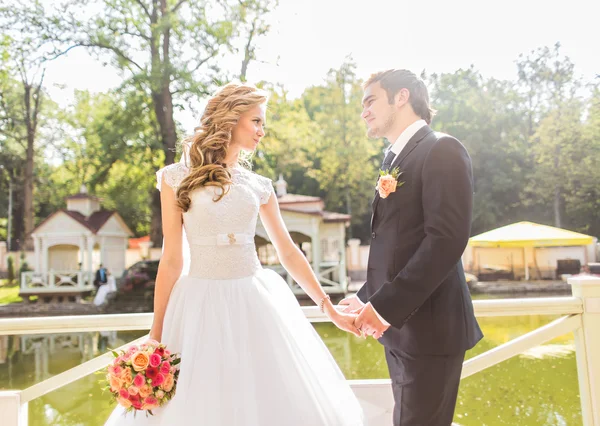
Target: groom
[(416, 300)]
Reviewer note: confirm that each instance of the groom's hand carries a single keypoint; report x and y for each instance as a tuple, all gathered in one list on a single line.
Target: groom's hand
[(370, 323), (352, 304)]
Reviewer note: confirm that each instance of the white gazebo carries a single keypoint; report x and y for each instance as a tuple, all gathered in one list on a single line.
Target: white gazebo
[(70, 245), (320, 234)]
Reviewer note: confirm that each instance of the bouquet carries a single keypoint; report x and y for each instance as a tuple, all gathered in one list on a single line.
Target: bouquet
[(143, 377)]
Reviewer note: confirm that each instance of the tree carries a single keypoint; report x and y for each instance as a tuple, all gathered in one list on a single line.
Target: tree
[(182, 41), (548, 80), (487, 116), (346, 161), (21, 108)]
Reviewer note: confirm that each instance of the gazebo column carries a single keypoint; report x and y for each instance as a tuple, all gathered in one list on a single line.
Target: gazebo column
[(316, 248), (103, 250), (37, 242), (342, 267), (81, 251), (89, 270), (44, 255), (526, 263)]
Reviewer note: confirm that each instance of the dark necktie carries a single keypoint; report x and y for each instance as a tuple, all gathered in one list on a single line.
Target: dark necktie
[(389, 159)]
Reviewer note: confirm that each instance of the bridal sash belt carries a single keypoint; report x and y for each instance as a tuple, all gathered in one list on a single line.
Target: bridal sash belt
[(223, 239)]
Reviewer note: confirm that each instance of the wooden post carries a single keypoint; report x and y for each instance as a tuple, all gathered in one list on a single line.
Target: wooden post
[(587, 343), (12, 412)]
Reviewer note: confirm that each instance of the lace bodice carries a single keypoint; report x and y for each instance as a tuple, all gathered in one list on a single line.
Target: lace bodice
[(221, 234)]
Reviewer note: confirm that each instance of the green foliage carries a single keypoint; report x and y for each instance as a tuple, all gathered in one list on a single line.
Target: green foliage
[(10, 266), (24, 265)]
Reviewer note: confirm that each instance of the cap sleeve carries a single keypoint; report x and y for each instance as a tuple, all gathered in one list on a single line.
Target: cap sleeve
[(173, 175), (265, 190)]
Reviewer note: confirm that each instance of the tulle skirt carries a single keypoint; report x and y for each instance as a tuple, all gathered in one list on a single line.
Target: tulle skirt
[(249, 357)]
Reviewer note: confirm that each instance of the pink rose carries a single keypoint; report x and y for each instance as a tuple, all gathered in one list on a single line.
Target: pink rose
[(127, 356), (145, 390), (160, 351), (132, 349), (151, 372), (151, 401), (386, 185), (152, 342), (158, 380), (165, 368), (139, 380), (140, 361), (133, 390), (123, 393), (154, 360), (117, 370)]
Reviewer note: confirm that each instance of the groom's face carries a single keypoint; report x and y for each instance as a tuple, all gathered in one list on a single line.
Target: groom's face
[(377, 112)]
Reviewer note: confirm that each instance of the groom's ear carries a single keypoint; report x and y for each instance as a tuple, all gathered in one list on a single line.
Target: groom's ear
[(402, 97)]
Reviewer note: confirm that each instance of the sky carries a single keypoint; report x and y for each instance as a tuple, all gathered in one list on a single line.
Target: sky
[(309, 37)]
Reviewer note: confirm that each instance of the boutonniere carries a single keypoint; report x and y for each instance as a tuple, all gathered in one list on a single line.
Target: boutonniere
[(388, 182)]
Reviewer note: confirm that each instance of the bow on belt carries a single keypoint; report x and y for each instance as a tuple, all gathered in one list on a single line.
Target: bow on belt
[(223, 239)]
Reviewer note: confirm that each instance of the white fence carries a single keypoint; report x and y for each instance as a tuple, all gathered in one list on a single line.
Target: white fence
[(581, 315)]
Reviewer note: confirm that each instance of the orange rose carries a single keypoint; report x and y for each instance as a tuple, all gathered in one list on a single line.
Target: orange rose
[(145, 390), (126, 376), (115, 384), (386, 185), (139, 361), (167, 385), (124, 402)]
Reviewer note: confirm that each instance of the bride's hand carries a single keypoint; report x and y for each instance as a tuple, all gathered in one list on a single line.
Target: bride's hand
[(343, 321)]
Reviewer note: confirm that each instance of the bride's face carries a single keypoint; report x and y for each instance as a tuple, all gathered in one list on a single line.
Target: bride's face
[(250, 128)]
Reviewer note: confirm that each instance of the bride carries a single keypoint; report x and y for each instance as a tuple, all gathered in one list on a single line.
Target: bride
[(249, 357)]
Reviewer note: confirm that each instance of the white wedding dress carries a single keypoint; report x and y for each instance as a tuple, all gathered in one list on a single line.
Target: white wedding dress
[(249, 357)]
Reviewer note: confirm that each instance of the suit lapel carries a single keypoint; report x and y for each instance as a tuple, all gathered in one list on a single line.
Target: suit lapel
[(408, 148)]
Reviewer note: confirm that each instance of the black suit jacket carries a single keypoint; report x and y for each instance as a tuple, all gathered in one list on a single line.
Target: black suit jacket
[(99, 279), (415, 278)]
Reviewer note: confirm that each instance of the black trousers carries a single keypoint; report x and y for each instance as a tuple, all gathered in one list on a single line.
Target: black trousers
[(425, 387)]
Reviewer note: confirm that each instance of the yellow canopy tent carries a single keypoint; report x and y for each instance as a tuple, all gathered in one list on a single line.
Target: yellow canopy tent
[(529, 234)]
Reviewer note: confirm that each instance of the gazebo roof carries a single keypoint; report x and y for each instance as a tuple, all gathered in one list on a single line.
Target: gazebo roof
[(529, 234), (94, 222)]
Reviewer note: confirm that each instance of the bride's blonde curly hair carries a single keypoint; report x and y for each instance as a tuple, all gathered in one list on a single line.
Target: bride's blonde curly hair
[(209, 145)]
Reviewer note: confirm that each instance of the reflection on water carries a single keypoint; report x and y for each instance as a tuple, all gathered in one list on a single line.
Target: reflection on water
[(538, 388)]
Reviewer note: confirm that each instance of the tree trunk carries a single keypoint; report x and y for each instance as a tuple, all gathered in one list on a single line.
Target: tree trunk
[(248, 51), (557, 203), (557, 218), (18, 225), (163, 108), (28, 178)]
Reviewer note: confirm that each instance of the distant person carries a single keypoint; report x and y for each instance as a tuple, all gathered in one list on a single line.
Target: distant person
[(101, 276)]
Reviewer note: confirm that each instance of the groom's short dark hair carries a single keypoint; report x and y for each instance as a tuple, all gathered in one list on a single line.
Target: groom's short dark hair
[(393, 80)]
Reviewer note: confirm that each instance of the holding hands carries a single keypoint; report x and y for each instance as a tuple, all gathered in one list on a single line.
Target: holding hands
[(367, 321)]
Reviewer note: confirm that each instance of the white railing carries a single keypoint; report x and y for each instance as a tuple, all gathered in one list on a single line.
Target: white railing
[(56, 282), (581, 315)]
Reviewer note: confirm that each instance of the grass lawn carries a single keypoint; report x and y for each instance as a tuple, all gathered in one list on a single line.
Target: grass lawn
[(9, 294)]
